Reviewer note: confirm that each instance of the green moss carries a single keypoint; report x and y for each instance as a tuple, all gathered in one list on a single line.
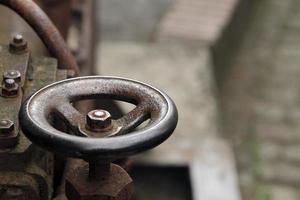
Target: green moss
[(255, 158), (261, 191)]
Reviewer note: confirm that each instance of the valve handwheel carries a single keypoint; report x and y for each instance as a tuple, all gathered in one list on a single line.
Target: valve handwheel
[(98, 138), (121, 140), (58, 98)]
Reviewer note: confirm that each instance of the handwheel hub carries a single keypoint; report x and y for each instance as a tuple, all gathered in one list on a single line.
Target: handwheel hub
[(98, 120)]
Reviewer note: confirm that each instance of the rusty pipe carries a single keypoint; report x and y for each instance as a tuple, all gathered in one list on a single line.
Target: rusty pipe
[(45, 29)]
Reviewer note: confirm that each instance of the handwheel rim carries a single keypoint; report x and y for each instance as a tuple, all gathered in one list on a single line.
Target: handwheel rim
[(37, 128)]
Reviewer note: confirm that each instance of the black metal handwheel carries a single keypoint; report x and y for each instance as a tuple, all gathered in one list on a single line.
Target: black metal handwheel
[(98, 136)]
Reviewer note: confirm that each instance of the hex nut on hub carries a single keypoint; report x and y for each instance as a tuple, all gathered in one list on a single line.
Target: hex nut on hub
[(98, 120)]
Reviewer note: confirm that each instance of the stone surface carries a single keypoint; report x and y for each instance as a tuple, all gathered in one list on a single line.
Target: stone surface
[(257, 65), (196, 20), (213, 172), (278, 192)]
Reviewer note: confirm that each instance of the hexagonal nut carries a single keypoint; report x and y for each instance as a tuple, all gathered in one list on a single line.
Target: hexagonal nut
[(6, 127), (12, 74), (71, 73), (8, 137), (10, 92), (16, 47), (116, 186), (98, 120)]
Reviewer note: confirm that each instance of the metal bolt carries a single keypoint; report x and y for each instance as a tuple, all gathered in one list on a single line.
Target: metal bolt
[(18, 39), (8, 135), (98, 120), (6, 127), (9, 83), (12, 74), (18, 44), (10, 88), (71, 73)]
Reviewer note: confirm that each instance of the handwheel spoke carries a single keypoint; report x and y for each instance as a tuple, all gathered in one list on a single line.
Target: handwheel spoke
[(133, 119), (71, 116)]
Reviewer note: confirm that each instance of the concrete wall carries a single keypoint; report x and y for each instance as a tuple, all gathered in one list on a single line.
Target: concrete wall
[(257, 65), (131, 19)]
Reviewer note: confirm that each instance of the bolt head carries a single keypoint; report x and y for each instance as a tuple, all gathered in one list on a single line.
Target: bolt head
[(8, 135), (18, 38), (6, 127), (10, 88), (12, 74), (9, 83), (71, 73), (98, 120), (18, 44)]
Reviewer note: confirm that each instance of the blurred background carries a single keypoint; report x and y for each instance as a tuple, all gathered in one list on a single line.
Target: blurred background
[(232, 68)]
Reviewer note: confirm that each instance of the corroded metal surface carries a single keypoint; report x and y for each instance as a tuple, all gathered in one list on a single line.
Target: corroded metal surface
[(11, 61), (17, 185), (116, 184), (8, 135), (11, 106), (42, 71), (25, 171), (59, 12), (37, 19)]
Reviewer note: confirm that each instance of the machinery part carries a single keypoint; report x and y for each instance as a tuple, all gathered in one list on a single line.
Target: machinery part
[(22, 190), (29, 74), (12, 74), (60, 14), (9, 88), (99, 178), (18, 44), (116, 184), (71, 74), (6, 127), (26, 172), (151, 104), (37, 19), (98, 120), (8, 135)]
